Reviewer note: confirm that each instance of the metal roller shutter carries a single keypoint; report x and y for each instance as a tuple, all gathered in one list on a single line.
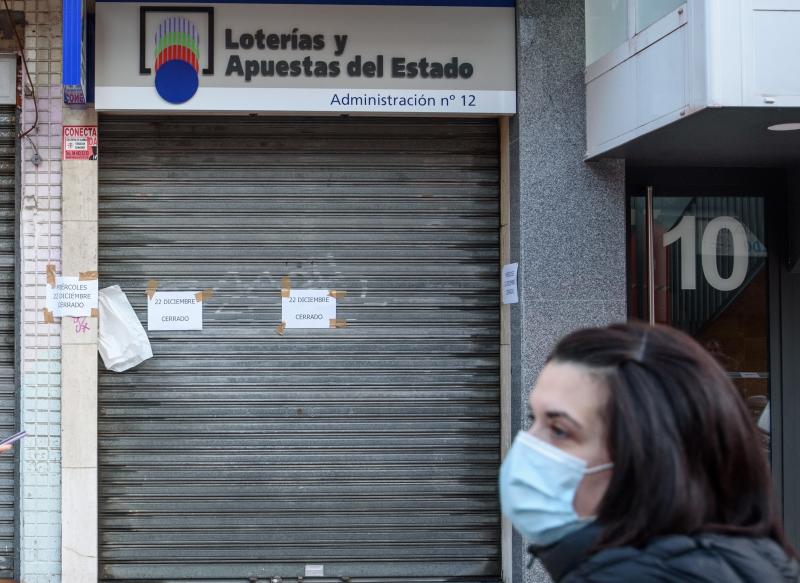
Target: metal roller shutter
[(8, 398), (371, 450)]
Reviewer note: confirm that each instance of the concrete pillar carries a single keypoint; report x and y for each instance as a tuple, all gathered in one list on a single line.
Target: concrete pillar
[(79, 372), (567, 216)]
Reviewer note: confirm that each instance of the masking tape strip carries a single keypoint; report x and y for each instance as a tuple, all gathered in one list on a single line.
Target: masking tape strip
[(338, 294), (51, 275), (95, 313), (152, 286), (286, 286), (204, 295), (339, 323), (281, 328), (48, 316), (87, 275)]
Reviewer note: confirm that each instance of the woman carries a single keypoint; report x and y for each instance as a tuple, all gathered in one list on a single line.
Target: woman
[(643, 465)]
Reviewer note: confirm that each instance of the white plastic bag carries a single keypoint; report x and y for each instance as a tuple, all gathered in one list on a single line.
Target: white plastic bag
[(122, 341)]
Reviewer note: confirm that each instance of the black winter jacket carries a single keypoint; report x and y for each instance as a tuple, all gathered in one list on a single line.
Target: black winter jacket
[(705, 558)]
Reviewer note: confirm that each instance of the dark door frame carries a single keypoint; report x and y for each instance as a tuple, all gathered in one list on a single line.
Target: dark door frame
[(788, 308)]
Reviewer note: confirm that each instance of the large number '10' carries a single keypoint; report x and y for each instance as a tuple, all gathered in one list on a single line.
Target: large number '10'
[(686, 233)]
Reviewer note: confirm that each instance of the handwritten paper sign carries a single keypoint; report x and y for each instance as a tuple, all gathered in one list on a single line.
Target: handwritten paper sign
[(71, 296), (510, 294), (174, 311), (308, 308)]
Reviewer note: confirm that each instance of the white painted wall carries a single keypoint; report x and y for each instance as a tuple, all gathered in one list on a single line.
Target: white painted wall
[(707, 53)]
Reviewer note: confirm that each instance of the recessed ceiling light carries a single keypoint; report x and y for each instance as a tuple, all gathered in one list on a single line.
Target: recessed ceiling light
[(785, 127)]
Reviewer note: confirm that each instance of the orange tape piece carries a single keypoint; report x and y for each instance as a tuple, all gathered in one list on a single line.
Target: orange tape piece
[(152, 286), (204, 295), (341, 323), (286, 287), (281, 328), (48, 316), (87, 276), (51, 275), (95, 313), (338, 294)]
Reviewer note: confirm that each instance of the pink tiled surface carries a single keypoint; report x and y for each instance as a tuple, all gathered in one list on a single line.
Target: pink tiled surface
[(41, 343)]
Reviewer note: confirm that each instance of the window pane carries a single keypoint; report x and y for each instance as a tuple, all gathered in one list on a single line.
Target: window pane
[(649, 11), (606, 27), (710, 281)]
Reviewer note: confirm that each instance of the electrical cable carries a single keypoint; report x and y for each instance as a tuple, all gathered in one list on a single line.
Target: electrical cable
[(35, 149), (27, 72)]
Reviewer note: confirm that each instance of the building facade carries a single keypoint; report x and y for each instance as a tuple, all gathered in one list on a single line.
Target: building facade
[(700, 101), (231, 177)]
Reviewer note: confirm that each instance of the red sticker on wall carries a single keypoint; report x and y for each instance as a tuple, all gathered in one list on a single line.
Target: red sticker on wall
[(79, 143)]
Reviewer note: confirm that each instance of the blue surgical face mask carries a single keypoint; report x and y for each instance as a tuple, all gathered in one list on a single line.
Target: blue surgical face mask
[(538, 482)]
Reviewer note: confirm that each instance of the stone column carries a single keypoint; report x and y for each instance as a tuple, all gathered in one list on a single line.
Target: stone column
[(568, 216), (79, 371)]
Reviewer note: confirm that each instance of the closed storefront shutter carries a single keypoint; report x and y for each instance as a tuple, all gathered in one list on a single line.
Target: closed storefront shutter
[(8, 400), (368, 451)]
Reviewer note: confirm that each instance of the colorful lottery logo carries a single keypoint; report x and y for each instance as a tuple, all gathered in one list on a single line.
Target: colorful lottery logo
[(177, 60)]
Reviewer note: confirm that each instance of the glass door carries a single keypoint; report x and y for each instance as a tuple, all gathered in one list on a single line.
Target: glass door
[(699, 263)]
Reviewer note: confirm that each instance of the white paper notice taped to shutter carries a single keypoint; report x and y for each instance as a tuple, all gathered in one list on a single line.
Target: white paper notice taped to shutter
[(308, 308), (72, 296), (174, 311)]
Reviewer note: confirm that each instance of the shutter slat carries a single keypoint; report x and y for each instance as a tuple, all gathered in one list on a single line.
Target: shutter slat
[(8, 408)]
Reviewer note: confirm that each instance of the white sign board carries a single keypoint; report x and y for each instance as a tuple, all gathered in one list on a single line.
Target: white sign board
[(72, 296), (510, 294), (308, 308), (330, 58), (174, 311)]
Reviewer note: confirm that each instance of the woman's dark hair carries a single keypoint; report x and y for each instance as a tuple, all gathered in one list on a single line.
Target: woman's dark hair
[(687, 454)]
